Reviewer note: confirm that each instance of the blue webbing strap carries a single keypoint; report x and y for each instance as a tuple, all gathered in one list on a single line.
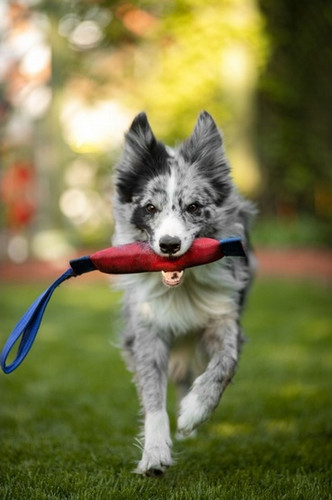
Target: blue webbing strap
[(28, 326), (232, 247)]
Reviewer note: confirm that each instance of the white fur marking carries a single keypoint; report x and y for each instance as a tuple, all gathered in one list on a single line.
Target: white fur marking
[(157, 443), (171, 188), (192, 413), (172, 226), (156, 429), (146, 311)]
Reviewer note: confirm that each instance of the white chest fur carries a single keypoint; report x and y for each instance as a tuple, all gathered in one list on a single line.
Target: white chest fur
[(206, 293)]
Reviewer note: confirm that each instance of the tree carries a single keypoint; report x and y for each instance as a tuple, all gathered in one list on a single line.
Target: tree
[(294, 99)]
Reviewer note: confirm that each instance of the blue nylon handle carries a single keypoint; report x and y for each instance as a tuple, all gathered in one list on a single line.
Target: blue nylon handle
[(232, 247), (28, 326)]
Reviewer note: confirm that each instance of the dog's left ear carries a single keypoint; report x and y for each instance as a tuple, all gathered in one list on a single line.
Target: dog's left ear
[(205, 141)]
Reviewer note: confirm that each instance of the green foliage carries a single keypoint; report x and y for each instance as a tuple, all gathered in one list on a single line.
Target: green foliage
[(69, 413), (292, 232), (293, 113), (185, 69)]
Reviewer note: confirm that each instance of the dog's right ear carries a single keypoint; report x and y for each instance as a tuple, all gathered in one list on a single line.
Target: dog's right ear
[(139, 138), (143, 158)]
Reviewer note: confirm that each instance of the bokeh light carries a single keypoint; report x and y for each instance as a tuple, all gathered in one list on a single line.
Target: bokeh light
[(93, 128)]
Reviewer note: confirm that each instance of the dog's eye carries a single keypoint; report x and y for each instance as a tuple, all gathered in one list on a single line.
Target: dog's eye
[(151, 209), (192, 208)]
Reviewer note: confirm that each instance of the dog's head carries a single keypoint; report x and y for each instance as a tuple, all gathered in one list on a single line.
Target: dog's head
[(170, 197)]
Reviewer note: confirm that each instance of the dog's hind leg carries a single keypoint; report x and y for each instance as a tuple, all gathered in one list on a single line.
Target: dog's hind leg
[(222, 346), (151, 364)]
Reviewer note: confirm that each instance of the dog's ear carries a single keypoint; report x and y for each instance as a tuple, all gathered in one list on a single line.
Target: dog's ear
[(204, 149), (139, 138), (144, 158), (205, 141)]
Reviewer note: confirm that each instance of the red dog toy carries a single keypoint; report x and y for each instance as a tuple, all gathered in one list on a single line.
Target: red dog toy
[(124, 259), (140, 258)]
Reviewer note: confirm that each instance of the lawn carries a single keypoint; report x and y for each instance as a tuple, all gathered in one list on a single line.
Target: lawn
[(69, 413)]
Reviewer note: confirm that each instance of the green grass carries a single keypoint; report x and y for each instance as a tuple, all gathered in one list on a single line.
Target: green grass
[(69, 413)]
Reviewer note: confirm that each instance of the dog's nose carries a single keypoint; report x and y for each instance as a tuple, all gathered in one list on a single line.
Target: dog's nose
[(169, 244)]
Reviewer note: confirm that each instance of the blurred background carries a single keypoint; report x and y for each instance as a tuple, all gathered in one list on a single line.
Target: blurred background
[(73, 74)]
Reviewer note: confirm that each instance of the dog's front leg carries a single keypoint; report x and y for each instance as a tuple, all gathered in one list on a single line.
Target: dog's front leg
[(151, 360), (222, 345)]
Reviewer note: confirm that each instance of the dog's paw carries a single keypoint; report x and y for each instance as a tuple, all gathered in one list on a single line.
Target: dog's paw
[(179, 436), (192, 414), (155, 461)]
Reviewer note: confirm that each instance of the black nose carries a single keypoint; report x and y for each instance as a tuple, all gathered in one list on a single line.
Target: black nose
[(169, 244)]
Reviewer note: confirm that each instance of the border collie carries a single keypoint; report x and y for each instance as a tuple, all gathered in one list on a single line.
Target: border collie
[(182, 325)]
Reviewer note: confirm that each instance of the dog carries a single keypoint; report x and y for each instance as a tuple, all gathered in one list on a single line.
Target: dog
[(182, 325)]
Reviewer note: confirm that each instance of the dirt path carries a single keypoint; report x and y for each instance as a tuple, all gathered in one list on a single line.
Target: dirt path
[(301, 263)]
